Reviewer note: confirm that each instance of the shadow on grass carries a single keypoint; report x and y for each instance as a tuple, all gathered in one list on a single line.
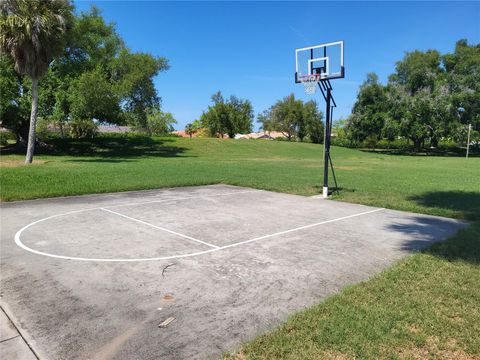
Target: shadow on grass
[(460, 242), (332, 190), (465, 203), (465, 246), (109, 148)]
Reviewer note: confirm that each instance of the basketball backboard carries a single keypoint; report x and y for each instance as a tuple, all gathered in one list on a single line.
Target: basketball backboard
[(319, 62)]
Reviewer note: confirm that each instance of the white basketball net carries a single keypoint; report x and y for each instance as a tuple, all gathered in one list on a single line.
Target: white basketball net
[(310, 87)]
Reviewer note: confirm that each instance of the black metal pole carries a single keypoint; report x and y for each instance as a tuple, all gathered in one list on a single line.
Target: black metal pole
[(327, 144)]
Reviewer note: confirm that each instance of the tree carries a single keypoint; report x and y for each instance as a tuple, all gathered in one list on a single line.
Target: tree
[(295, 119), (429, 97), (463, 80), (133, 75), (193, 127), (33, 33), (369, 112), (96, 77), (417, 70), (189, 130), (423, 79), (159, 122), (231, 116), (92, 96), (14, 100), (313, 119), (286, 116)]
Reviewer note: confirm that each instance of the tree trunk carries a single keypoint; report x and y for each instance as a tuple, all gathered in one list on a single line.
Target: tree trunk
[(62, 133), (417, 144), (33, 123)]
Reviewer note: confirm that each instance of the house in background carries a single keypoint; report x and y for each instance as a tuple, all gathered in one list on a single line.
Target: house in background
[(111, 128), (263, 135)]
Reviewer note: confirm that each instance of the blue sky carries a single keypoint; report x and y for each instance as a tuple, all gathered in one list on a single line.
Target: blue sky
[(247, 48)]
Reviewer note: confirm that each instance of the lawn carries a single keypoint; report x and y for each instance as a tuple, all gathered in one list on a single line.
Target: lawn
[(425, 306), (447, 186)]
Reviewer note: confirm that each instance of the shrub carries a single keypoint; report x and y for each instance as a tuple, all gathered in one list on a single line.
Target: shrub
[(83, 128), (344, 142), (42, 131), (371, 141), (5, 136)]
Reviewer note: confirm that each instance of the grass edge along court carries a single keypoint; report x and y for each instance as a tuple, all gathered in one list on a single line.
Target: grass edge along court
[(425, 306), (435, 185)]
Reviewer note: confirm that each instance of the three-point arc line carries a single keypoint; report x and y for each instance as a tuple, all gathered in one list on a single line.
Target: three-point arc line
[(213, 249)]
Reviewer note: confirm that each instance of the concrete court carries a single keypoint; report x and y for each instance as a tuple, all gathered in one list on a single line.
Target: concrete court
[(92, 277)]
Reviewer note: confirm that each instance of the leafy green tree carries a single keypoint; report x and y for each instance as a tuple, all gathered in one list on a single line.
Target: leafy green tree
[(417, 70), (286, 116), (160, 123), (15, 102), (60, 114), (92, 45), (33, 33), (422, 78), (133, 75), (92, 96), (313, 118), (463, 80), (369, 112), (295, 119), (95, 77), (231, 116), (428, 97)]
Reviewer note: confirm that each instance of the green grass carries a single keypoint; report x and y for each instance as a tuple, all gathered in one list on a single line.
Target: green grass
[(425, 306), (436, 185)]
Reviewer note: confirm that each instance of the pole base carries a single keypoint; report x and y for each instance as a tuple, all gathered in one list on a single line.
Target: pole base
[(325, 192)]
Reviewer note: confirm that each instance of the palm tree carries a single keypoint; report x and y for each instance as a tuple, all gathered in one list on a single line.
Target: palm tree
[(32, 33), (189, 130)]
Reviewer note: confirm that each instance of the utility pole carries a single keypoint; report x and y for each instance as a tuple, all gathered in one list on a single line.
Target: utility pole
[(468, 138)]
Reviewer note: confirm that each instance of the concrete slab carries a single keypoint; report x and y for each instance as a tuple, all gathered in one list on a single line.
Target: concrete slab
[(15, 349), (94, 276), (12, 345), (7, 330)]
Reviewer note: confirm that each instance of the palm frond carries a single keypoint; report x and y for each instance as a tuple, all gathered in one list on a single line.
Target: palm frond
[(32, 32)]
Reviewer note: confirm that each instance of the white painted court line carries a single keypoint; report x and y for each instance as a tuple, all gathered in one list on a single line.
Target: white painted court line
[(300, 228), (18, 241), (161, 228)]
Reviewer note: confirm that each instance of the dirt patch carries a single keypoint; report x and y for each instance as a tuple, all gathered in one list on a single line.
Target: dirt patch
[(18, 163), (450, 350), (240, 355), (336, 355)]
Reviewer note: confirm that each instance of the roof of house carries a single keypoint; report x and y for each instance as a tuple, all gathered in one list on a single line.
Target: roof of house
[(114, 129), (261, 135)]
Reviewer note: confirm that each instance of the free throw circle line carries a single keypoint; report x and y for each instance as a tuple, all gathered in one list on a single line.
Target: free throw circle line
[(19, 243), (160, 228)]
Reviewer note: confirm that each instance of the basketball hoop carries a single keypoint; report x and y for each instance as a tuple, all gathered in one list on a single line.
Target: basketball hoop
[(315, 66), (310, 83), (310, 87)]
